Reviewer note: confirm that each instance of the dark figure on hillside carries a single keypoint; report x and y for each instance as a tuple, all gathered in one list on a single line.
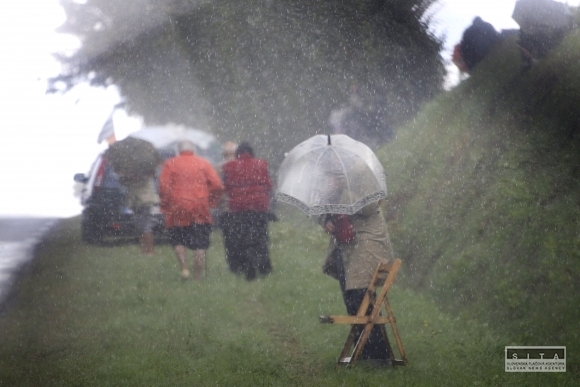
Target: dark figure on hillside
[(543, 25), (477, 41), (248, 187)]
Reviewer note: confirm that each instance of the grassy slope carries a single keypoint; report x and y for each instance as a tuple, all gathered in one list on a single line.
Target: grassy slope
[(106, 316), (483, 210), (484, 188)]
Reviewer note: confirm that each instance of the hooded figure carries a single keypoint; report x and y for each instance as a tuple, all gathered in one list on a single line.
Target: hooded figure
[(477, 41)]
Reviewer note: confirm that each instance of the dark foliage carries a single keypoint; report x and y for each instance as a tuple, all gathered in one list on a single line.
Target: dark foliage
[(270, 71)]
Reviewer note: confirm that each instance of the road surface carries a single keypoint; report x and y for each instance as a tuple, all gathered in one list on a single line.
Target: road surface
[(18, 236)]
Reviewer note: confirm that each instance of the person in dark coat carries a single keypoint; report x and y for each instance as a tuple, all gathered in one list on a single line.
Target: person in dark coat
[(477, 41), (225, 218), (248, 188)]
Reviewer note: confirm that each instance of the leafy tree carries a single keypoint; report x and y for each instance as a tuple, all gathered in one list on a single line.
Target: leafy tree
[(268, 71)]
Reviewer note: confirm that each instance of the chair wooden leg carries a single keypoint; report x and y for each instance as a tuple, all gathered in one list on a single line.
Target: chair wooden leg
[(393, 324), (361, 342), (344, 357)]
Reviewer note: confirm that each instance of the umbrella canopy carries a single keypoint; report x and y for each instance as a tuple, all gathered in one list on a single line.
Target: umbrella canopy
[(133, 157), (532, 14), (166, 138), (162, 136), (331, 174)]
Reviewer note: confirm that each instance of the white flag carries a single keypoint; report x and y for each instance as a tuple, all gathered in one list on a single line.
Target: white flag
[(108, 131)]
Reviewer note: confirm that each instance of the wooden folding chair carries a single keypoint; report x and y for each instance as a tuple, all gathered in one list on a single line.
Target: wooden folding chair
[(384, 277)]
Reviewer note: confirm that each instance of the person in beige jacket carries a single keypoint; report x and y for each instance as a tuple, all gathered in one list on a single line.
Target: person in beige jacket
[(353, 264), (361, 256), (141, 198)]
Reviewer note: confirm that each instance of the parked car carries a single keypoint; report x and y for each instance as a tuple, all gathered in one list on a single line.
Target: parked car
[(105, 212)]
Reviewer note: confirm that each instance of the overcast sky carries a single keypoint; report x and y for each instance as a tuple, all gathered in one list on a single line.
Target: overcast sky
[(47, 139)]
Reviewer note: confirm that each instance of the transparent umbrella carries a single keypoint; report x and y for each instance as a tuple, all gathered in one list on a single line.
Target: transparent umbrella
[(331, 174), (163, 136), (165, 140)]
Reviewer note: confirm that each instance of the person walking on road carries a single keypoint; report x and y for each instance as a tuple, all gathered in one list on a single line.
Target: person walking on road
[(188, 187)]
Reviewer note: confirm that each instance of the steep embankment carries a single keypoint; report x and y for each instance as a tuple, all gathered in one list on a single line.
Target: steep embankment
[(485, 193)]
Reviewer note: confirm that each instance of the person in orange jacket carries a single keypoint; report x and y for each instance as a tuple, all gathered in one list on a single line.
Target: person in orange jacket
[(188, 187)]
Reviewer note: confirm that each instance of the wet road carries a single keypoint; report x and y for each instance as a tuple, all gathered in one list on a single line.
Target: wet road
[(18, 236)]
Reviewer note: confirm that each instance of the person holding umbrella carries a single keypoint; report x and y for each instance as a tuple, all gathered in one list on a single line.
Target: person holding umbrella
[(136, 161), (358, 242), (142, 197), (341, 182), (188, 187)]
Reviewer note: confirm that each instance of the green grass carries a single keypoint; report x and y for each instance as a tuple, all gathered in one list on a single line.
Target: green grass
[(107, 316)]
